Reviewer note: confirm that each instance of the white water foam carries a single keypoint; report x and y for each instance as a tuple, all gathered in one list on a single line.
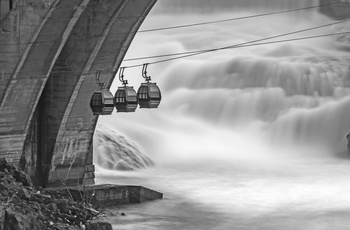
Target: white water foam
[(244, 138)]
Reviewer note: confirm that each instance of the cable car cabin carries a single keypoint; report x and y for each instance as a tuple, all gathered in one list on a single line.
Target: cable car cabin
[(149, 95), (101, 102), (125, 99)]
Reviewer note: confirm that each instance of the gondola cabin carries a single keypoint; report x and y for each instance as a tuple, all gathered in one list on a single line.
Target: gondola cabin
[(101, 102), (125, 99), (149, 95)]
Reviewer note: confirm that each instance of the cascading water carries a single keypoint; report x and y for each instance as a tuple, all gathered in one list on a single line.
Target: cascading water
[(117, 152), (245, 138)]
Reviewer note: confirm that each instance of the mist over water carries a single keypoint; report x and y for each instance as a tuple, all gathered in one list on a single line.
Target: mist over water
[(243, 137)]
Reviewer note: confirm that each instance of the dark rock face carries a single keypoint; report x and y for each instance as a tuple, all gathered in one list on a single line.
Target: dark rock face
[(114, 151), (348, 138), (23, 207), (14, 173)]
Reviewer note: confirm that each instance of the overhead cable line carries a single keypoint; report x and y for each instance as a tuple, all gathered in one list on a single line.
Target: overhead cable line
[(292, 39), (235, 19), (184, 26), (242, 45), (198, 52), (247, 44)]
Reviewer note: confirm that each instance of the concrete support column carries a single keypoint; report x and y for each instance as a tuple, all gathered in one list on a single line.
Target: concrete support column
[(73, 148)]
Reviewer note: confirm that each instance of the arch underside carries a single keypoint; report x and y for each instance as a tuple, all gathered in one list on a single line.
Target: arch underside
[(46, 125)]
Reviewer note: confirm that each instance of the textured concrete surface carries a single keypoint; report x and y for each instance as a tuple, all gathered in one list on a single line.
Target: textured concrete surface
[(111, 195), (50, 51)]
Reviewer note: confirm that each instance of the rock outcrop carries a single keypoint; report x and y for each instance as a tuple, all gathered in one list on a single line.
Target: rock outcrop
[(348, 138), (23, 207)]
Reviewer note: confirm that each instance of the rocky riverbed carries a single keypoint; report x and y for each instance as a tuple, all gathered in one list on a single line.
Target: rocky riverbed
[(24, 207)]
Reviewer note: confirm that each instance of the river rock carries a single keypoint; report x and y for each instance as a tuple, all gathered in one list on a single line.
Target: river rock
[(22, 177), (11, 174), (17, 221), (23, 194)]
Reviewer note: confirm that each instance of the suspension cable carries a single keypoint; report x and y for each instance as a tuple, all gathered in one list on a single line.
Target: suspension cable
[(188, 25), (242, 45), (235, 19), (198, 52)]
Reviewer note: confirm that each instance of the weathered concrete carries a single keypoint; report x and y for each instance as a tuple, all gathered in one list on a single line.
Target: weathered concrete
[(337, 9), (50, 51), (110, 195)]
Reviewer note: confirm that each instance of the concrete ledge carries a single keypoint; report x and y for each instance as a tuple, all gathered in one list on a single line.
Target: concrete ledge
[(109, 195)]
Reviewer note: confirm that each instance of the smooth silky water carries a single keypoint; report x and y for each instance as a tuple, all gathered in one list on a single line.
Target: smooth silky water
[(248, 138)]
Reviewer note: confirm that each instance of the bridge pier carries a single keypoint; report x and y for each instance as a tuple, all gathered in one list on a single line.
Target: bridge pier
[(49, 55)]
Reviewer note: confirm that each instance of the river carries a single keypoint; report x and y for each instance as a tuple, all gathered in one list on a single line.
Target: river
[(247, 138)]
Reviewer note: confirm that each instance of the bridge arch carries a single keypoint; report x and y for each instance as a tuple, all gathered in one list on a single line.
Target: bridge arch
[(46, 126)]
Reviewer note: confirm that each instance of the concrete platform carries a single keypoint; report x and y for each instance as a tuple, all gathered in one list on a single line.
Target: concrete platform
[(110, 195)]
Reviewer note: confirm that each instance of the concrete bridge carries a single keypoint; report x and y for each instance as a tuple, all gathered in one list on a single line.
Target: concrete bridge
[(50, 51)]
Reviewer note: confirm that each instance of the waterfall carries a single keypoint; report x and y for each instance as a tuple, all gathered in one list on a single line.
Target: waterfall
[(114, 151), (243, 137), (292, 95)]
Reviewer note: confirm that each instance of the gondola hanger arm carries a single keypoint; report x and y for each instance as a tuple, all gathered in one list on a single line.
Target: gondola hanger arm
[(121, 76), (144, 72), (97, 77)]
